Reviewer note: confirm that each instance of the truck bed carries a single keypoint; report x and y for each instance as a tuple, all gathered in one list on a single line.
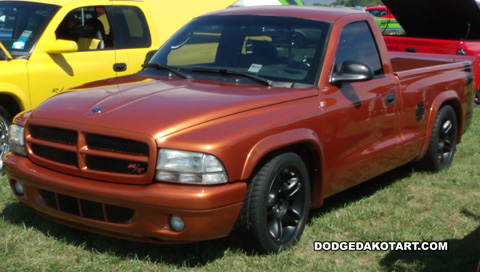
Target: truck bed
[(405, 62), (443, 72)]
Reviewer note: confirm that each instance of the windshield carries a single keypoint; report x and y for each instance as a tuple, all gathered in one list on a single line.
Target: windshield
[(231, 48), (22, 24)]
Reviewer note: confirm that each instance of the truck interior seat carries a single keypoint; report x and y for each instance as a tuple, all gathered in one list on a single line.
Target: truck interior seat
[(93, 35)]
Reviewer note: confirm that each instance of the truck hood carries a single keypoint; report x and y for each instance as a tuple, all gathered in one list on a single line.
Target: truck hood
[(438, 19), (158, 107)]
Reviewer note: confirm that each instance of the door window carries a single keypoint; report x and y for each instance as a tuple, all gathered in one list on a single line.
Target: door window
[(130, 27), (358, 44), (88, 27)]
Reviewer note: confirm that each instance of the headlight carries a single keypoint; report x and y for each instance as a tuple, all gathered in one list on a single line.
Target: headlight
[(16, 139), (189, 167)]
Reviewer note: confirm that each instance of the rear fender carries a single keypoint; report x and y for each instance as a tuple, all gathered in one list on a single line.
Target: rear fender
[(445, 98)]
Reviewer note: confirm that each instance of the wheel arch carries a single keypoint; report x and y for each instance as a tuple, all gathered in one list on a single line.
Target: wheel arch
[(303, 142), (448, 98), (11, 103)]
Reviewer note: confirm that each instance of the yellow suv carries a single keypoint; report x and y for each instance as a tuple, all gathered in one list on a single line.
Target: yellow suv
[(50, 46)]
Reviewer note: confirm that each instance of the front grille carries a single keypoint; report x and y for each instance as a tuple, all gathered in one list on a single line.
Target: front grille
[(86, 208), (116, 165), (118, 145), (56, 135), (55, 154), (90, 155)]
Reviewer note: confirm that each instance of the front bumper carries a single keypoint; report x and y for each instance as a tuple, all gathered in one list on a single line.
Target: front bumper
[(133, 212)]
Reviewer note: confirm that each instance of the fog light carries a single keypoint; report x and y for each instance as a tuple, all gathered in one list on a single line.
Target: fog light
[(18, 188), (177, 223)]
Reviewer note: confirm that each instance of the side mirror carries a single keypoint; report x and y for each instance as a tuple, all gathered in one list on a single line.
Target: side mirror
[(352, 71), (62, 46), (149, 56)]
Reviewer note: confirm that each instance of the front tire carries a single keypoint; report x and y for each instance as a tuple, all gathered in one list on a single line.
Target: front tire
[(276, 204), (443, 141), (4, 127)]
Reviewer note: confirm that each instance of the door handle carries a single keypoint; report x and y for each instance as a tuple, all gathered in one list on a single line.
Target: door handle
[(390, 99), (120, 67)]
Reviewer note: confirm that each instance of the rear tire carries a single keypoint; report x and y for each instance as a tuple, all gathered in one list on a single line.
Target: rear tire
[(5, 121), (276, 204), (443, 141)]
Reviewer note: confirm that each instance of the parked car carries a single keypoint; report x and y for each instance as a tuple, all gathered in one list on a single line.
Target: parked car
[(380, 12), (47, 47), (248, 132), (385, 20)]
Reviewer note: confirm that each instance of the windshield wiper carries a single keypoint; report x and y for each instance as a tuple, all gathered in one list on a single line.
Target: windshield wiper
[(168, 68), (266, 82)]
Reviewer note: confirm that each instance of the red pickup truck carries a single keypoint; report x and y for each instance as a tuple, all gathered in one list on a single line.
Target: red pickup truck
[(440, 27), (235, 124)]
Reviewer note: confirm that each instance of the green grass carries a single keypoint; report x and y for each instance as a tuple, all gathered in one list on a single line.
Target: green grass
[(402, 205)]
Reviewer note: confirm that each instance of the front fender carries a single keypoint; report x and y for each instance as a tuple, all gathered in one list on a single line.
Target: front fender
[(14, 82), (275, 142), (285, 139)]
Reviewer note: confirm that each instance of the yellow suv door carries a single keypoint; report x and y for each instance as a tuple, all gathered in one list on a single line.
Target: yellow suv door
[(132, 37), (81, 50)]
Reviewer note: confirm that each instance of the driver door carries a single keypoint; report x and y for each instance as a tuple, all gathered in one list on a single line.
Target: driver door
[(50, 74), (360, 119)]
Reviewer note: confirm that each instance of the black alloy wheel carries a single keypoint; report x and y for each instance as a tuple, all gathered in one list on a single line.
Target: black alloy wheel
[(277, 203), (443, 141), (285, 205)]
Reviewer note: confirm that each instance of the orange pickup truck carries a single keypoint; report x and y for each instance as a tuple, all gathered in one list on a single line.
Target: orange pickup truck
[(273, 110)]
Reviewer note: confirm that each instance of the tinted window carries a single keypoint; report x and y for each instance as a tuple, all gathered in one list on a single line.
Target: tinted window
[(130, 27), (357, 44)]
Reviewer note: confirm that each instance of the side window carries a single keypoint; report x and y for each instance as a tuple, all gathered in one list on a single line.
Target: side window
[(130, 26), (89, 27), (357, 44)]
